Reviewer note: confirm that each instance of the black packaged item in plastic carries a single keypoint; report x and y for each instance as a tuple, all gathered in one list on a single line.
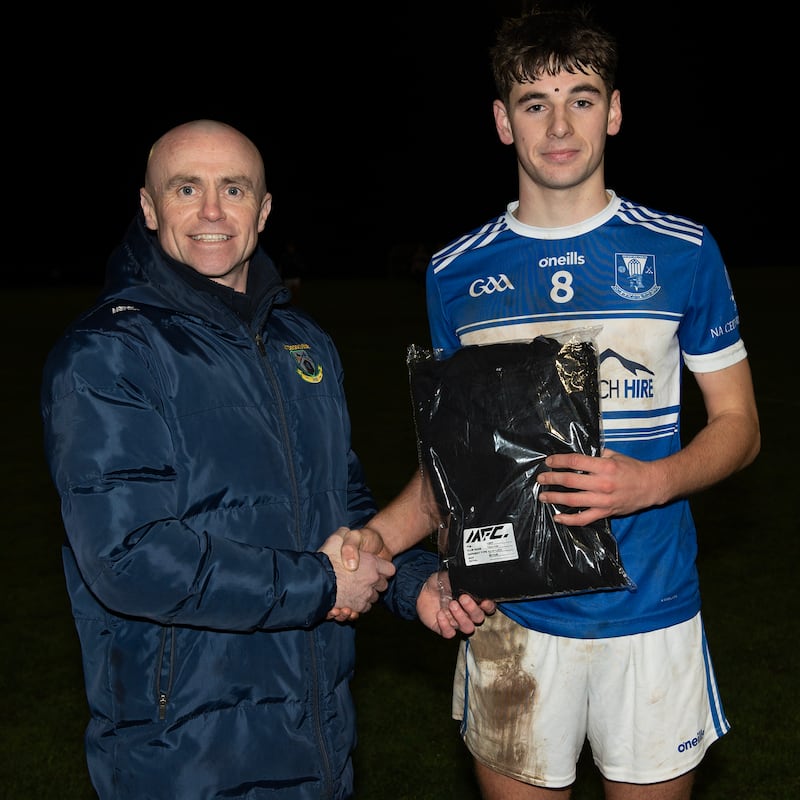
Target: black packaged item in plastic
[(486, 418)]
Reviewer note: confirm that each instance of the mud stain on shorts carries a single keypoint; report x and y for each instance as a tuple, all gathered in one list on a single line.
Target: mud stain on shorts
[(504, 694)]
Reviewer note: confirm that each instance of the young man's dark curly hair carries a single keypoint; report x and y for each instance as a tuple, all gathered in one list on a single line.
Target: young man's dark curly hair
[(547, 40)]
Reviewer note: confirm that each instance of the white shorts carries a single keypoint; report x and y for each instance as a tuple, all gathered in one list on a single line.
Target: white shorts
[(647, 703)]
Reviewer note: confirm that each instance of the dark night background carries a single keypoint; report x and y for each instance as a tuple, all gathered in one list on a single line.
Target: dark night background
[(376, 126)]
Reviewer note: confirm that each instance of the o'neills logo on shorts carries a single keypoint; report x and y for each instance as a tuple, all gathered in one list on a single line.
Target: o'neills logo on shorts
[(690, 744)]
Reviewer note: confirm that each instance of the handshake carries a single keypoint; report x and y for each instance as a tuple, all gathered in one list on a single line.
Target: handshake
[(363, 566)]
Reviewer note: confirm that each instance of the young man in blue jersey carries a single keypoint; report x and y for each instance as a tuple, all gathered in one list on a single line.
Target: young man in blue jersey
[(627, 670)]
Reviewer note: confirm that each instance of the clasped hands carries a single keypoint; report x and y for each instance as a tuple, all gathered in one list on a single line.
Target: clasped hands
[(360, 576), (363, 567)]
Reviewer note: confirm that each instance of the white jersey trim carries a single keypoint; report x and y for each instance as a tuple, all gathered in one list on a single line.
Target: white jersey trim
[(568, 231), (711, 362)]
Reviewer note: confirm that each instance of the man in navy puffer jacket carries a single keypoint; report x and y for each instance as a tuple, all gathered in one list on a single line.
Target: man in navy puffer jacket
[(197, 433)]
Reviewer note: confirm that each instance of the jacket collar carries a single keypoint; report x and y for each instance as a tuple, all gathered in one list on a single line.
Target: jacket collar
[(140, 271)]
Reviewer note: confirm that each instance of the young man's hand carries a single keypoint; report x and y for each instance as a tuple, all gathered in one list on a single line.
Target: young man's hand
[(443, 614)]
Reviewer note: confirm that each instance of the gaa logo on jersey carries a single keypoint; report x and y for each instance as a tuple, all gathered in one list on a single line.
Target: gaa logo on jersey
[(635, 276)]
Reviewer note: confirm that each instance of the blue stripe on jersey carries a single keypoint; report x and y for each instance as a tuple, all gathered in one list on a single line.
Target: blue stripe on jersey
[(639, 434), (655, 412), (566, 316)]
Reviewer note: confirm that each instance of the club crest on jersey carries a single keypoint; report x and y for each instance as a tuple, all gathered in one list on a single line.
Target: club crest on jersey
[(635, 276), (306, 369)]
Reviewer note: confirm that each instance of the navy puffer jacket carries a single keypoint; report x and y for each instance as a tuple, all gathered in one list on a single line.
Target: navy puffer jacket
[(200, 461)]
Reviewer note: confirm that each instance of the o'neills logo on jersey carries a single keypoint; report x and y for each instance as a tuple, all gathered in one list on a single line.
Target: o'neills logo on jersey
[(635, 276), (490, 285), (571, 259)]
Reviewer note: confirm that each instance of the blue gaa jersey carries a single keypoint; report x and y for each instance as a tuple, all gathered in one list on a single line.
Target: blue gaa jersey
[(653, 291)]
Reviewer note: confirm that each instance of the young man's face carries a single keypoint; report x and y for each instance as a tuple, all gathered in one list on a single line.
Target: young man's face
[(558, 125)]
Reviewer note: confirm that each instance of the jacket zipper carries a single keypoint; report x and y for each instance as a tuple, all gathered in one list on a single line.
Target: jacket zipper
[(162, 695), (327, 776)]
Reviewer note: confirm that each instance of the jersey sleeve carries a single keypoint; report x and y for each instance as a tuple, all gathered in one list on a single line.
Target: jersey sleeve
[(709, 332), (443, 338)]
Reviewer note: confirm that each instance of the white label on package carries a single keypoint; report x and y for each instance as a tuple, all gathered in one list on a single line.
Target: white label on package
[(489, 544)]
